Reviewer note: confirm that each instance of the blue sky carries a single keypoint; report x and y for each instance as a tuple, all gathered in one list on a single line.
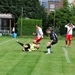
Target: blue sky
[(43, 0), (70, 1), (44, 3)]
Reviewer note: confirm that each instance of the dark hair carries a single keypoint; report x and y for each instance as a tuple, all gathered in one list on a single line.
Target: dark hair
[(70, 22), (50, 29), (47, 29), (37, 24)]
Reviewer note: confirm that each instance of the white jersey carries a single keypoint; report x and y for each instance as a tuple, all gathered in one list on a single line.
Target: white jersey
[(39, 32), (69, 29), (13, 29)]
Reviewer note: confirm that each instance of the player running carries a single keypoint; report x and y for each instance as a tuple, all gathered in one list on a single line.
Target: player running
[(39, 34)]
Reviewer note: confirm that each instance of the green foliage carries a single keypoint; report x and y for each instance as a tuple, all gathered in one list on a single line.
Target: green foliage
[(62, 17), (72, 9), (65, 3), (28, 25), (31, 8)]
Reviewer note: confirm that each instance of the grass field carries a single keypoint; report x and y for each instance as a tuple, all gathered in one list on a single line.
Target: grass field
[(15, 62)]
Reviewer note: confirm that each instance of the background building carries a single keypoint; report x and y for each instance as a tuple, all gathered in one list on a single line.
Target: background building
[(74, 2), (51, 5), (6, 23)]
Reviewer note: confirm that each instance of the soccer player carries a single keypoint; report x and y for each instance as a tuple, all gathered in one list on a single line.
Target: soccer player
[(39, 34), (53, 39), (68, 39), (29, 47)]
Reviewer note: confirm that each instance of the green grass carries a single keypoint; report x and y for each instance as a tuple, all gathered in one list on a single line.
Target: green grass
[(15, 62)]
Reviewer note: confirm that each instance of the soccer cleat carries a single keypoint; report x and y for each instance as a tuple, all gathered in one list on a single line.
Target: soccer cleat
[(29, 50), (48, 53), (66, 45), (16, 40), (23, 50)]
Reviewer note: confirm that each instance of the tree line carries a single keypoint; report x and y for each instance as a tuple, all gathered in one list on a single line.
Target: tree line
[(33, 10)]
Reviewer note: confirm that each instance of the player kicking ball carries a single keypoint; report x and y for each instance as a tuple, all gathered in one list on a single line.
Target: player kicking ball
[(53, 39), (29, 47)]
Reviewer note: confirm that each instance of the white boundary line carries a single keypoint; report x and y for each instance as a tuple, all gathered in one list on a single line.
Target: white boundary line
[(66, 55), (6, 41)]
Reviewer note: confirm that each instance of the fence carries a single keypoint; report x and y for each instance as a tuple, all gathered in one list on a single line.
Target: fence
[(4, 30)]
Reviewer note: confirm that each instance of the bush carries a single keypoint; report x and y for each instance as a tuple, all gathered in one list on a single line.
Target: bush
[(28, 26)]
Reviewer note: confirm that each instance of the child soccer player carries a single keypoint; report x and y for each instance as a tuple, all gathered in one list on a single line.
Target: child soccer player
[(39, 35), (68, 40), (29, 47), (53, 39)]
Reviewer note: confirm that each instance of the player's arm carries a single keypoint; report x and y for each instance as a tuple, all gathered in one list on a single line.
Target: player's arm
[(41, 32), (73, 26), (66, 25), (51, 41)]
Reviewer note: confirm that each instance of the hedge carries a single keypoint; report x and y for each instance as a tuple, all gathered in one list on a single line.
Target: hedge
[(27, 26)]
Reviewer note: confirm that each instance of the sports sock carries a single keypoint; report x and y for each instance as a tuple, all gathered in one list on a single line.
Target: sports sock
[(20, 43), (49, 49)]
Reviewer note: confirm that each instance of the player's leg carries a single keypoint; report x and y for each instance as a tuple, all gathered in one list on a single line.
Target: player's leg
[(48, 48), (70, 39), (69, 43), (35, 40), (39, 39), (27, 47), (20, 43), (66, 41)]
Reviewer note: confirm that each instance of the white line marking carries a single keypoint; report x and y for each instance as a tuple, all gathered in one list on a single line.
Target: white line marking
[(66, 55), (6, 41)]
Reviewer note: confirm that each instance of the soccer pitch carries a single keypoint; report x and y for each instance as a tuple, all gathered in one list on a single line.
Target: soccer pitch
[(15, 62)]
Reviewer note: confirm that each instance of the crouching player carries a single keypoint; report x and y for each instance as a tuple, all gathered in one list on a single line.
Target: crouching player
[(53, 39), (29, 47)]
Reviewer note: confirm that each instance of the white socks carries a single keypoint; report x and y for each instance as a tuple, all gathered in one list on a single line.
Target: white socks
[(49, 50)]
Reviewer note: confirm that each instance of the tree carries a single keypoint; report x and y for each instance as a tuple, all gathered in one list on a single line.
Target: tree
[(62, 16), (29, 8), (65, 3)]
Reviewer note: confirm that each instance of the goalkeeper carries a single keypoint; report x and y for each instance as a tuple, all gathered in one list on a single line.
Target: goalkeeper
[(29, 47)]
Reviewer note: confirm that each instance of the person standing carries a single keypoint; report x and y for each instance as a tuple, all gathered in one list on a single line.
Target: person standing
[(68, 39), (13, 29), (39, 34), (53, 39)]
